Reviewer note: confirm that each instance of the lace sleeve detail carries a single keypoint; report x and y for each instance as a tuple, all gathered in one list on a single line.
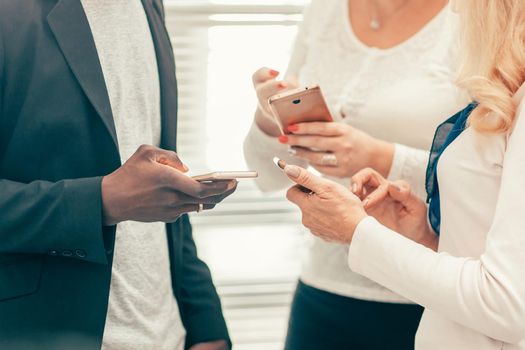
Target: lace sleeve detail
[(410, 164)]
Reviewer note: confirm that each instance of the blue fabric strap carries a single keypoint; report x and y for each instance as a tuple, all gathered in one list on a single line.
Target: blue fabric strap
[(445, 134)]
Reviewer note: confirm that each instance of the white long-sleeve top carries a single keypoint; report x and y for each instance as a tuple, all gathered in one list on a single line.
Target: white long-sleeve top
[(400, 95), (473, 289)]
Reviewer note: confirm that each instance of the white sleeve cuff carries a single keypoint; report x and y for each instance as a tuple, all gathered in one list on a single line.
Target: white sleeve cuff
[(398, 162), (259, 150), (357, 247)]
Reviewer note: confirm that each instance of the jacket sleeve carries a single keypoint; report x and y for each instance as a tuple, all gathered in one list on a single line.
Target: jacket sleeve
[(50, 218), (60, 218), (199, 302)]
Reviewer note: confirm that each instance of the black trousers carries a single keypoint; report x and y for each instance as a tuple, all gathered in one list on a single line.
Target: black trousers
[(320, 320)]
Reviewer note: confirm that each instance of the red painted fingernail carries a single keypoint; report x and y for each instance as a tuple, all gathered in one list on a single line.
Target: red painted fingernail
[(283, 139), (293, 128), (274, 73)]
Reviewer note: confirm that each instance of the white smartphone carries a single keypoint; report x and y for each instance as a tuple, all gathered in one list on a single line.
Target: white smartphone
[(226, 175)]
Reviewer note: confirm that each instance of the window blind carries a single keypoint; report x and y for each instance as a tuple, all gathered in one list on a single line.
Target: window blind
[(218, 45)]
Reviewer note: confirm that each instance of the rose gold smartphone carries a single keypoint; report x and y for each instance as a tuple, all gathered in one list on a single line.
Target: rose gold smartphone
[(226, 175), (299, 106)]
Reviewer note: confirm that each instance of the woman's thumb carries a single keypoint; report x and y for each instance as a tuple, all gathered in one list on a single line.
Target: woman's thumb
[(304, 178)]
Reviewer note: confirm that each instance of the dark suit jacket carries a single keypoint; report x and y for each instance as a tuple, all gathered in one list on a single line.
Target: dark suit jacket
[(57, 140)]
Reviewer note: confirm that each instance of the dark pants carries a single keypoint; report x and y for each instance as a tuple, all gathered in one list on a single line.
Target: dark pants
[(320, 320)]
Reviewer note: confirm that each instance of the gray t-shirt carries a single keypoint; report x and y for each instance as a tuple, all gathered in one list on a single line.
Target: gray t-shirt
[(142, 312)]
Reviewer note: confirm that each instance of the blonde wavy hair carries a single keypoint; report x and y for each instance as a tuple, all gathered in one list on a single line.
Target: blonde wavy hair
[(493, 67)]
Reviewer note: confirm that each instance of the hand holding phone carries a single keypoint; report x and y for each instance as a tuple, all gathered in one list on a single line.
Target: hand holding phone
[(299, 106), (281, 164), (152, 186)]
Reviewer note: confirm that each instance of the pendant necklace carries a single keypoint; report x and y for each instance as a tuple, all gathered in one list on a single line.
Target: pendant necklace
[(376, 22)]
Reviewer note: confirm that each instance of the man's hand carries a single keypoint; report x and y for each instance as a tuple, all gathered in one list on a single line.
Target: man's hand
[(215, 345), (151, 186)]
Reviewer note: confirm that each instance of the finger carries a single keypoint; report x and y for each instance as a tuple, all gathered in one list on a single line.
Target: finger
[(367, 177), (185, 184), (216, 188), (320, 143), (318, 128), (267, 89), (188, 208), (401, 192), (376, 197), (162, 156), (171, 159), (308, 180), (264, 74), (296, 195), (184, 198)]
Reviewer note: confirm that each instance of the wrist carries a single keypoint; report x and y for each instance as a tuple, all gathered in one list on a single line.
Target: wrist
[(109, 215), (382, 156), (429, 239), (350, 235)]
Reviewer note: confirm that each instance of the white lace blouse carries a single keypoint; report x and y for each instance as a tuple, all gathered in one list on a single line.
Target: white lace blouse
[(400, 95)]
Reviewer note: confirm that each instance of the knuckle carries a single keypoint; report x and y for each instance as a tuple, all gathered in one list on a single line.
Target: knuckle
[(348, 146), (305, 221), (143, 148), (256, 75), (174, 155), (305, 178), (330, 187), (165, 178), (289, 194)]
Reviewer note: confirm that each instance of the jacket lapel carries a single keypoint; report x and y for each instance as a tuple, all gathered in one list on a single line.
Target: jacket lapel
[(166, 66), (70, 27), (168, 104)]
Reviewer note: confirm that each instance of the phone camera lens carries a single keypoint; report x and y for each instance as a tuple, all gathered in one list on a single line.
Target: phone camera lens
[(296, 102)]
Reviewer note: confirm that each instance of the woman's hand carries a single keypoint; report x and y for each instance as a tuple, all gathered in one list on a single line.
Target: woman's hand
[(353, 149), (394, 205), (266, 85), (331, 211)]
